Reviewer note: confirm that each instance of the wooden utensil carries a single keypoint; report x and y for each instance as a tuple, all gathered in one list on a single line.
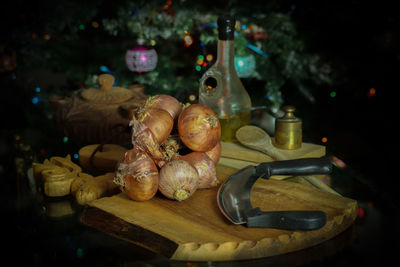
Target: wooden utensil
[(256, 138)]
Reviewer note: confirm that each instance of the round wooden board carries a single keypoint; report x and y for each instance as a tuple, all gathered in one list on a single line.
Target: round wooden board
[(195, 229)]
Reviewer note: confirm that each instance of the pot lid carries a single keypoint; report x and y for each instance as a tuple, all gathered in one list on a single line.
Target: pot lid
[(107, 94)]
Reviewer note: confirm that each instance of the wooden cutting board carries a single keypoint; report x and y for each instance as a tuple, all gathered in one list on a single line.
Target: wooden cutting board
[(238, 156), (195, 229)]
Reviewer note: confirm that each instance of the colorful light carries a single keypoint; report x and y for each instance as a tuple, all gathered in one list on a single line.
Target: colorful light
[(79, 252), (65, 139), (76, 156), (95, 24), (361, 213), (332, 94), (324, 139), (371, 92), (245, 66), (209, 57), (35, 100), (81, 27), (198, 68), (47, 37), (188, 40), (192, 97), (200, 61), (37, 89), (143, 58)]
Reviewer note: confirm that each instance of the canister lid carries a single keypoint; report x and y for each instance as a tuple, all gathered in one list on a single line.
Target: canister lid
[(289, 115), (107, 94)]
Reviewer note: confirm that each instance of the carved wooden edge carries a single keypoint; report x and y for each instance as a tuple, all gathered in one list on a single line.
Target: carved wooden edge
[(266, 247), (112, 225), (226, 251)]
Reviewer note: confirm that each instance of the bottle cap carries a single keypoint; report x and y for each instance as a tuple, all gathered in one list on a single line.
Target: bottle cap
[(288, 132), (226, 27)]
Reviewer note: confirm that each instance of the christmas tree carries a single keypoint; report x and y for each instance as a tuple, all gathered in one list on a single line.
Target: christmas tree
[(96, 37), (56, 49)]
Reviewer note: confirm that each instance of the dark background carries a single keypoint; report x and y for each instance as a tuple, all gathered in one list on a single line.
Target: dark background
[(360, 39)]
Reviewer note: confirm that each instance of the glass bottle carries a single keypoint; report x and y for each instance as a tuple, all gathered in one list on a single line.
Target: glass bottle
[(220, 86)]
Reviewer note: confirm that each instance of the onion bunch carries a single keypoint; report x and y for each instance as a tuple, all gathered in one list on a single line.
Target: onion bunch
[(175, 150)]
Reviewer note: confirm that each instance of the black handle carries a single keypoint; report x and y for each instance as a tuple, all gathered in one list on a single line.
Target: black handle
[(304, 166), (287, 220)]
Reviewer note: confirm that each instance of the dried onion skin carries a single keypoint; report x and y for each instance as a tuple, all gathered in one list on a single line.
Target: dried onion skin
[(178, 180), (165, 102), (215, 153), (158, 121), (137, 175), (205, 168), (199, 128)]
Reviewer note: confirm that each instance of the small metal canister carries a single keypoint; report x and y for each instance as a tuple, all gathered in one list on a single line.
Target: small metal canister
[(288, 132)]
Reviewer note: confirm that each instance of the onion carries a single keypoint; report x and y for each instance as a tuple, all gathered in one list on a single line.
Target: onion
[(215, 153), (165, 102), (199, 128), (178, 180), (137, 175), (143, 139), (158, 121), (205, 168)]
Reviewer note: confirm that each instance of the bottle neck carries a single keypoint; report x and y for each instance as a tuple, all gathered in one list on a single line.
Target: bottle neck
[(225, 53)]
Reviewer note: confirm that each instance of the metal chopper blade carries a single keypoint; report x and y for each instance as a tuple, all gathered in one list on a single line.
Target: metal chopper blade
[(233, 199)]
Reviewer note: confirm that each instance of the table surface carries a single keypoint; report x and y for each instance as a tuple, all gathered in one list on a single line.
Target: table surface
[(34, 236)]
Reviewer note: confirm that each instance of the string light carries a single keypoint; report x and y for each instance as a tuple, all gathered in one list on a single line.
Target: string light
[(65, 139), (37, 89), (35, 100), (209, 57), (95, 24), (76, 156), (192, 97), (371, 92), (361, 213), (199, 61), (324, 139), (47, 37), (332, 94), (188, 40)]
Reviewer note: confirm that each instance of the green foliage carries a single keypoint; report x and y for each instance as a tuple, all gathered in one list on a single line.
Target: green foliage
[(79, 49)]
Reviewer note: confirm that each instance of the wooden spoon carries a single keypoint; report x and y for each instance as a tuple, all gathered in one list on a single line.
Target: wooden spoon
[(256, 138)]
